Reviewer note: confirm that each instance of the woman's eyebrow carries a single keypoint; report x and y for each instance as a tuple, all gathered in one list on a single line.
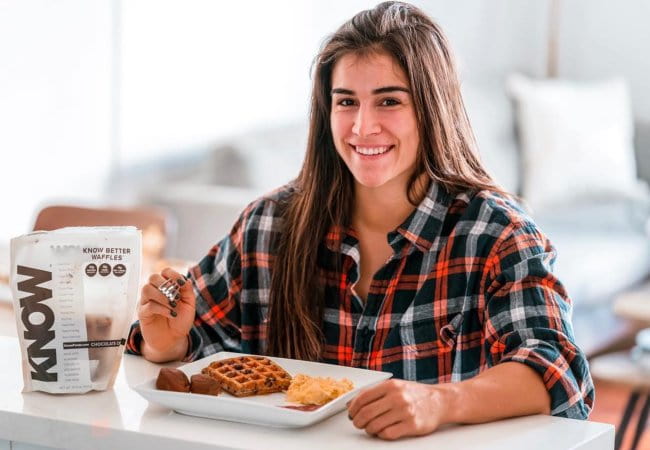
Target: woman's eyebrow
[(381, 90), (386, 89)]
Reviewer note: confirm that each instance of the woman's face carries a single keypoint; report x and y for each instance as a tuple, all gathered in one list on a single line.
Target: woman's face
[(373, 119)]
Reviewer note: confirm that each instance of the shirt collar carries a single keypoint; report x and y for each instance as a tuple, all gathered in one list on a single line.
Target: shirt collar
[(424, 224), (421, 227)]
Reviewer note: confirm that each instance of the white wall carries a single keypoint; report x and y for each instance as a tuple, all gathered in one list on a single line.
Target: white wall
[(493, 38), (601, 38), (195, 71), (55, 63)]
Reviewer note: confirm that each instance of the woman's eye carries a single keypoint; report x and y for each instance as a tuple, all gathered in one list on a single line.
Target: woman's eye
[(346, 102), (390, 102)]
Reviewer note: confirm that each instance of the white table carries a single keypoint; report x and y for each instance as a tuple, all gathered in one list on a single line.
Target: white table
[(120, 418)]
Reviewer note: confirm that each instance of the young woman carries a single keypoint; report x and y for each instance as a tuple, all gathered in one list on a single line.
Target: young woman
[(393, 250)]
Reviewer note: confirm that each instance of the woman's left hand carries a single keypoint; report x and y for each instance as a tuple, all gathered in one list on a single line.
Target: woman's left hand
[(398, 408)]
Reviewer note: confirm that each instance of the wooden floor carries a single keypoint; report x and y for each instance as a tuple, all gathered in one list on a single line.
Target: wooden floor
[(610, 403)]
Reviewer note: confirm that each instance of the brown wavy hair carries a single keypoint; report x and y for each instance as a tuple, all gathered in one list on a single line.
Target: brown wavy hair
[(323, 194)]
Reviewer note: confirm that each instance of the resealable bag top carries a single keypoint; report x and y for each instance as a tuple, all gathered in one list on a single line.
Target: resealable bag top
[(74, 292)]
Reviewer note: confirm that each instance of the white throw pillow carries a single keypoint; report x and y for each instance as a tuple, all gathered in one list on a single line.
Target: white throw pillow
[(576, 138)]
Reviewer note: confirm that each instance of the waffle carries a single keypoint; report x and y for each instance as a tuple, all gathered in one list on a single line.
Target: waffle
[(249, 375)]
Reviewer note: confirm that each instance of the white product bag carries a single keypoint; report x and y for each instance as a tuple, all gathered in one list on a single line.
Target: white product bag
[(74, 292)]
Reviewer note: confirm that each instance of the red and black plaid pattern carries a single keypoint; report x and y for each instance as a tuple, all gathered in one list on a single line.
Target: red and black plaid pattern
[(469, 286)]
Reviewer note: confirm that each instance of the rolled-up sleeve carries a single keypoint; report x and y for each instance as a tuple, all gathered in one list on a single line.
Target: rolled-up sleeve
[(528, 319)]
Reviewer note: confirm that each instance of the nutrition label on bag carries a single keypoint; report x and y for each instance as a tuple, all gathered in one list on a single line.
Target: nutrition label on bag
[(68, 291)]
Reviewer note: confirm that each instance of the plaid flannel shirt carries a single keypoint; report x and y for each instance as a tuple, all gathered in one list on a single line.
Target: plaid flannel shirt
[(469, 286)]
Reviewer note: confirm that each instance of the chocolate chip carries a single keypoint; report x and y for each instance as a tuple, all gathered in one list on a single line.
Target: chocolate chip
[(173, 313)]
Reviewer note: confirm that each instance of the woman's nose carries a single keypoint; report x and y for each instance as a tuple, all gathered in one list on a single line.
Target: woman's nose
[(366, 122)]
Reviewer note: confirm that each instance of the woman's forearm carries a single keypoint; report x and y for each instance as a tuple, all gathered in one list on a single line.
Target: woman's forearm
[(510, 389), (397, 408)]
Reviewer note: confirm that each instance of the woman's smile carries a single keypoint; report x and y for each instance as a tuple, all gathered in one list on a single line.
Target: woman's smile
[(371, 152)]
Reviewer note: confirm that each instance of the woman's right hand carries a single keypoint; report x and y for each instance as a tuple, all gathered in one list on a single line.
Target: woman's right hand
[(165, 327)]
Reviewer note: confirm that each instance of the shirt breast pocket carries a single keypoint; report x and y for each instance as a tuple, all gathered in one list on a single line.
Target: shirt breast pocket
[(429, 347), (448, 333), (429, 336)]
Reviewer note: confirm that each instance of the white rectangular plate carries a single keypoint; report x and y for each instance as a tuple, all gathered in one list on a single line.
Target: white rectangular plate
[(261, 409)]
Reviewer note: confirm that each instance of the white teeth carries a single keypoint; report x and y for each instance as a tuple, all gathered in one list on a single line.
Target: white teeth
[(371, 150)]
